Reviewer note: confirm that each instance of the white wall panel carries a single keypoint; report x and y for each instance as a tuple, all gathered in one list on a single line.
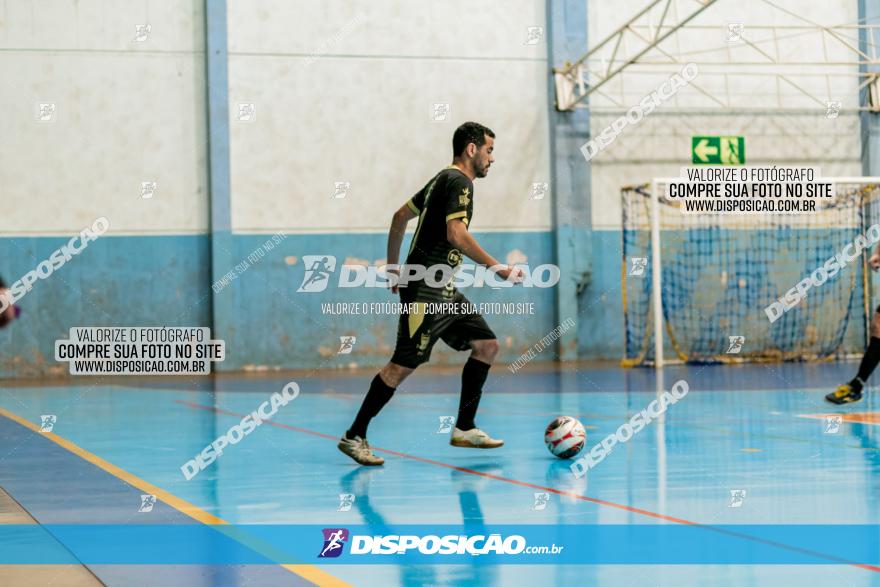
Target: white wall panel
[(356, 106), (454, 28)]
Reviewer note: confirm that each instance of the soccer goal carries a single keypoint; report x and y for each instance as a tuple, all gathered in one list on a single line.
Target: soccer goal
[(698, 285)]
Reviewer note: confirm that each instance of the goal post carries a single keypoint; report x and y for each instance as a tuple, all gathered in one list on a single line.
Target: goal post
[(656, 276), (703, 285)]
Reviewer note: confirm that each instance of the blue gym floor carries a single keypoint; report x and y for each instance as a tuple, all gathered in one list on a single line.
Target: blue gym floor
[(740, 428)]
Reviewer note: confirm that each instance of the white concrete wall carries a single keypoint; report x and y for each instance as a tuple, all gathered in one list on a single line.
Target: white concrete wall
[(344, 91), (661, 143), (126, 112)]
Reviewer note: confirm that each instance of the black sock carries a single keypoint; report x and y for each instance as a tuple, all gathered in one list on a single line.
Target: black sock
[(868, 364), (376, 399), (473, 376)]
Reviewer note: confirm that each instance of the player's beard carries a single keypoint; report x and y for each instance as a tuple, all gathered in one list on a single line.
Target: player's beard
[(482, 171)]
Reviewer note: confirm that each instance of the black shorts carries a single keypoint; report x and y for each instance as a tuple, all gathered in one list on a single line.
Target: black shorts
[(417, 332)]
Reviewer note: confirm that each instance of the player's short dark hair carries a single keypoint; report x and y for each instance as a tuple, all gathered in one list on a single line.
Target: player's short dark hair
[(467, 133)]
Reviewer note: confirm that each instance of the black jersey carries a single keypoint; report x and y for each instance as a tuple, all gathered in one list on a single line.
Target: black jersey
[(449, 195)]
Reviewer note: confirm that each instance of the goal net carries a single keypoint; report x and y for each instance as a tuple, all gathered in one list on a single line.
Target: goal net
[(720, 272)]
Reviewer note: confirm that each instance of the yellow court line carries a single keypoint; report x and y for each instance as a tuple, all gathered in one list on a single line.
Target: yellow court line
[(306, 571)]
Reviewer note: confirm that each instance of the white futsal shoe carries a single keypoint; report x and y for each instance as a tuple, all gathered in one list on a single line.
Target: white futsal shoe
[(359, 450), (474, 438)]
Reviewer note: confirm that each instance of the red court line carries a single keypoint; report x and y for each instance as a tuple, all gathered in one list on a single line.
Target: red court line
[(856, 417), (546, 489)]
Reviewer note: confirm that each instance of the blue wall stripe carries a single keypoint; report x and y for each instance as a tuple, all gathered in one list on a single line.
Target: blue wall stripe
[(222, 257)]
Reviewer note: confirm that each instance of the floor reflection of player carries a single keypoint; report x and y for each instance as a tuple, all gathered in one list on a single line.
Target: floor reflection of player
[(8, 310), (570, 513), (848, 493), (358, 483), (868, 437), (468, 486)]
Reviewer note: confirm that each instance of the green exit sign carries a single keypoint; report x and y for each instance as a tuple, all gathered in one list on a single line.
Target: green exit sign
[(718, 150)]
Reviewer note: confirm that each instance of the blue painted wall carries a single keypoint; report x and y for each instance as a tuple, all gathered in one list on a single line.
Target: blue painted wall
[(600, 307), (166, 280), (273, 325), (115, 281)]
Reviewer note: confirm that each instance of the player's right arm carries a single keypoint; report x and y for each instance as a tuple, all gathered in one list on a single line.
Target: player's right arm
[(395, 237)]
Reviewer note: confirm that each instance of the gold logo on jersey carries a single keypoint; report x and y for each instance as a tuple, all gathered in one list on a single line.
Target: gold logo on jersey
[(453, 259), (463, 199), (423, 342)]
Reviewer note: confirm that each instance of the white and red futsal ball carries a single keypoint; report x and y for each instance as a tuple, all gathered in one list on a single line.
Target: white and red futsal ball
[(565, 437)]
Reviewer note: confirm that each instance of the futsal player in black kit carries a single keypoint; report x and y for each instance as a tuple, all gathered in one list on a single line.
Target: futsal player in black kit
[(444, 208)]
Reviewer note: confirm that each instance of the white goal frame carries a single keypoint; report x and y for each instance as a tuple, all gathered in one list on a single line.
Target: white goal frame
[(656, 258)]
